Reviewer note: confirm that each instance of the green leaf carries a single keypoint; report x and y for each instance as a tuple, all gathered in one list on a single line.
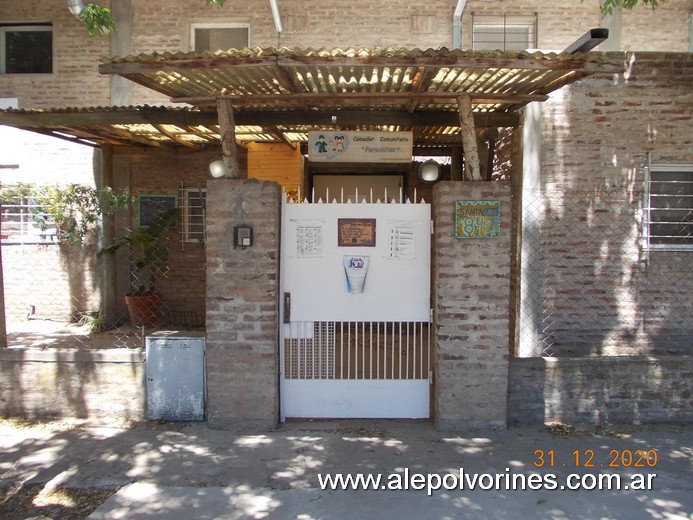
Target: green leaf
[(98, 20), (608, 6)]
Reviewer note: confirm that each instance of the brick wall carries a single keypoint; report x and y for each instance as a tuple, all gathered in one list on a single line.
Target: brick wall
[(664, 29), (183, 287), (165, 26), (558, 23), (242, 305), (101, 387), (601, 287), (561, 23), (56, 279), (471, 300), (597, 391), (75, 80)]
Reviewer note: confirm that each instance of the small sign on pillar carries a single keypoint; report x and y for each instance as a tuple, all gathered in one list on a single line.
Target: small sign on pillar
[(477, 219)]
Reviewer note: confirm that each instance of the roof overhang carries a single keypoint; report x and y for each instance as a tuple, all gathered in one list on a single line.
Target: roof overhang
[(280, 94), (195, 129)]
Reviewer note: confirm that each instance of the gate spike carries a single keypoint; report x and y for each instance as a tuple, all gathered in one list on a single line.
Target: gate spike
[(401, 194), (385, 193), (371, 195), (414, 195), (327, 194), (357, 195), (342, 198), (312, 194)]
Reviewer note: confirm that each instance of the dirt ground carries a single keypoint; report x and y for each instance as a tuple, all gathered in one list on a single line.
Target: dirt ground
[(22, 501)]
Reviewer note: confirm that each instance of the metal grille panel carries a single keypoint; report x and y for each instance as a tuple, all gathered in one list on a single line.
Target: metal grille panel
[(357, 350)]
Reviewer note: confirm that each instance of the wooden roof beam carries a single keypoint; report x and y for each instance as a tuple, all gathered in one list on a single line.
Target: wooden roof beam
[(382, 98), (280, 135), (192, 61), (174, 137)]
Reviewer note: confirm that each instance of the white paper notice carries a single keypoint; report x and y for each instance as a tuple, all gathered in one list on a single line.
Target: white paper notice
[(309, 241), (402, 240)]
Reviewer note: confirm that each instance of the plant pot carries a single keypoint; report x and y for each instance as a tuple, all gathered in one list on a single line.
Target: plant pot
[(143, 310)]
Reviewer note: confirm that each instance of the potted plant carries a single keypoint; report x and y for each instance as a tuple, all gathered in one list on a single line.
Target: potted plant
[(151, 262)]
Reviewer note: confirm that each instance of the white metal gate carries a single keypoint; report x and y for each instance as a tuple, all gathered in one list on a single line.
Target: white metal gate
[(355, 281)]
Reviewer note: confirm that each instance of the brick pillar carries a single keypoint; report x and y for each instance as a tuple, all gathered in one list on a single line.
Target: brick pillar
[(242, 305), (471, 300)]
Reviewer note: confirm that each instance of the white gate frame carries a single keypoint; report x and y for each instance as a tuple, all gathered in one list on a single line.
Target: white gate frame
[(351, 354)]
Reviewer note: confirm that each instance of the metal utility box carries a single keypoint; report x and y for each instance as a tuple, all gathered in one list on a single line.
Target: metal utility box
[(175, 376)]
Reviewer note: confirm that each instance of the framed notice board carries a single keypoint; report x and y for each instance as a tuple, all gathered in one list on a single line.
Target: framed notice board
[(150, 207), (355, 232)]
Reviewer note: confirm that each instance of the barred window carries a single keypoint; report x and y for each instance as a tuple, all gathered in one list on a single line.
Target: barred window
[(669, 208), (503, 32), (193, 214)]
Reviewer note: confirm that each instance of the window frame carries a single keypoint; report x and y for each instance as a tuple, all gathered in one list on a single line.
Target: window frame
[(502, 22), (24, 27), (216, 25), (648, 209), (186, 235)]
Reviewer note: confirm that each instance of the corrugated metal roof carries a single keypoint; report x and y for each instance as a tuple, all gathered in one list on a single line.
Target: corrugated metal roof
[(280, 94), (326, 79)]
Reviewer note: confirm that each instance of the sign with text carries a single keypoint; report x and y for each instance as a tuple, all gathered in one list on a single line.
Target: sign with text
[(367, 147), (477, 219), (356, 232)]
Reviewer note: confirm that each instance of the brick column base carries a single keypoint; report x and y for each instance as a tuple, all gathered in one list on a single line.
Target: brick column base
[(242, 305), (471, 299)]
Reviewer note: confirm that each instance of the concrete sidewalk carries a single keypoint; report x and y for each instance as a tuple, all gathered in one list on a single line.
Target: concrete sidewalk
[(186, 470)]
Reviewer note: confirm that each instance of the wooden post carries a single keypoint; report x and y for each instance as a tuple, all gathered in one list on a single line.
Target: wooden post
[(491, 157), (227, 131), (109, 305), (490, 136), (471, 152), (456, 163)]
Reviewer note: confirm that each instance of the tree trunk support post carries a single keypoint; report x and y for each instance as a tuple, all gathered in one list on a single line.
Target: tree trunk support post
[(227, 131), (471, 152)]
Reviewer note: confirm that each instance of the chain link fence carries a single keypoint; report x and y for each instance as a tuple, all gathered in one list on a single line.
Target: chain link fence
[(63, 295), (589, 286)]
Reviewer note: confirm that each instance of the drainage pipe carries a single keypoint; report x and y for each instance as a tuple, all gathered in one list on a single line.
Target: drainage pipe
[(457, 24)]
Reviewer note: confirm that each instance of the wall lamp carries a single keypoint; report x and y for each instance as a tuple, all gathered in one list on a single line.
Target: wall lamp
[(217, 169), (429, 172), (75, 6)]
